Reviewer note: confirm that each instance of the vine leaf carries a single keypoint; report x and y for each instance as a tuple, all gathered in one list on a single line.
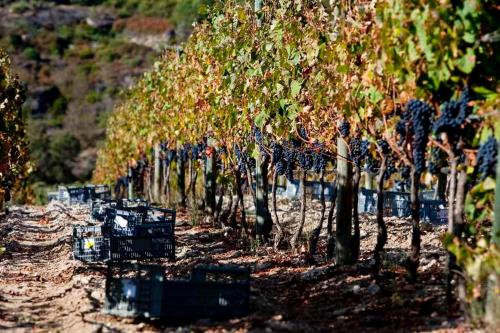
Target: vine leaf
[(295, 87), (467, 63)]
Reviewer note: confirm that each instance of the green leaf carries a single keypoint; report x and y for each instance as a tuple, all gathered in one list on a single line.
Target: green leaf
[(467, 63), (489, 184), (485, 93), (295, 87), (283, 103), (260, 119), (412, 51), (469, 37), (292, 111), (375, 95)]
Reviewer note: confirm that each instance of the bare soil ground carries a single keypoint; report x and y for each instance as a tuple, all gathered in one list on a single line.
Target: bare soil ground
[(42, 289)]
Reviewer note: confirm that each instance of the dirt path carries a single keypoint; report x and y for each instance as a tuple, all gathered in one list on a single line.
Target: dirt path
[(43, 290)]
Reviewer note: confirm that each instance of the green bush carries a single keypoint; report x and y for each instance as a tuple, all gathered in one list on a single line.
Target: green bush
[(20, 7), (87, 68), (59, 106), (31, 53), (93, 97), (88, 33), (86, 53), (53, 156), (16, 41)]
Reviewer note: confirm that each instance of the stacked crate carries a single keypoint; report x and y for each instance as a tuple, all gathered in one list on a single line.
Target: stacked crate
[(126, 232)]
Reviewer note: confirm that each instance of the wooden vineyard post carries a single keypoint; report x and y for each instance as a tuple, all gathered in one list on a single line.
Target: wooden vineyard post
[(344, 204), (495, 237), (414, 259), (441, 186), (263, 219), (130, 184), (157, 174), (381, 227), (181, 181), (210, 178), (492, 311)]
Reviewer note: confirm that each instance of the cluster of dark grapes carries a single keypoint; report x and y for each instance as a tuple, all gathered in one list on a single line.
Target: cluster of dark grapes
[(170, 156), (280, 167), (384, 146), (390, 169), (139, 168), (364, 148), (277, 152), (120, 182), (184, 152), (344, 129), (303, 133), (305, 159), (453, 114), (487, 158), (240, 157), (402, 126), (195, 152), (421, 114), (355, 153), (404, 171), (319, 161), (259, 139), (284, 156), (289, 155), (251, 161), (371, 165), (437, 161)]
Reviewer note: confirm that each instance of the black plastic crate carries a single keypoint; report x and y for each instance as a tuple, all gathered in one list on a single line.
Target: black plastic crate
[(98, 208), (90, 244), (434, 211), (76, 195), (147, 214), (134, 290), (95, 192), (149, 241), (367, 202), (130, 203), (160, 215), (136, 239), (94, 244), (396, 204), (143, 291), (212, 292), (122, 222)]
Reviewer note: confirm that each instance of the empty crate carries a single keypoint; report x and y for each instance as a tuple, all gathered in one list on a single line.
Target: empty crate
[(434, 211), (211, 292), (134, 290), (95, 192), (147, 242), (83, 195)]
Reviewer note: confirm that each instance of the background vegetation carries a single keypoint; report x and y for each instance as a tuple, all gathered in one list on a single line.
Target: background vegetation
[(74, 57)]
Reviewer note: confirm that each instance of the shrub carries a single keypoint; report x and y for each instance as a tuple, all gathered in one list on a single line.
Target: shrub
[(86, 53), (31, 53), (20, 7)]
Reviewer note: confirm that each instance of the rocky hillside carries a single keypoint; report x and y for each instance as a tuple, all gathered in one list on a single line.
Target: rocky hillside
[(74, 57)]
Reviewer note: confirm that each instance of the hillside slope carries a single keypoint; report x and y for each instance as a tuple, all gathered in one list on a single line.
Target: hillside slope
[(74, 60)]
